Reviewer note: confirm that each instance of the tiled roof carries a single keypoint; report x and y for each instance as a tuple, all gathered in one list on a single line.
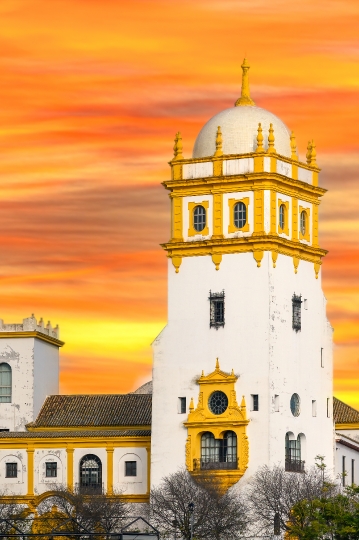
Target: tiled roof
[(74, 434), (95, 411), (343, 413)]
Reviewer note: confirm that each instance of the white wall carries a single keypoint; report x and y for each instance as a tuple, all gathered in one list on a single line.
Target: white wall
[(13, 486), (350, 454), (131, 485), (41, 482), (46, 372)]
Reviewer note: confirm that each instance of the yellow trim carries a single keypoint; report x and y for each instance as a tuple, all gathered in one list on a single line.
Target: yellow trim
[(34, 500), (285, 229), (305, 236), (347, 425), (201, 419), (70, 467), (273, 212), (31, 428), (148, 448), (176, 218), (231, 204), (73, 442), (30, 470), (315, 225), (109, 452), (217, 215), (258, 212), (191, 230), (34, 334), (294, 219)]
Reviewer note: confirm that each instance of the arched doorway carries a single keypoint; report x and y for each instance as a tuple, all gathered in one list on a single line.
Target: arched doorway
[(90, 474)]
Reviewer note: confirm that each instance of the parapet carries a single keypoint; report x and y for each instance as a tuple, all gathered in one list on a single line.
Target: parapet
[(30, 324)]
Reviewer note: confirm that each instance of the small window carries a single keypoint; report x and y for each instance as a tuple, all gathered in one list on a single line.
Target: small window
[(11, 470), (321, 358), (216, 309), (282, 216), (328, 408), (353, 471), (344, 472), (305, 303), (199, 218), (51, 469), (182, 405), (314, 407), (130, 468), (276, 403), (255, 402), (3, 429), (240, 215), (296, 312), (5, 383), (303, 222), (295, 405)]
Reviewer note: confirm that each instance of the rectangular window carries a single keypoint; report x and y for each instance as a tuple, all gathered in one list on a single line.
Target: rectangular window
[(182, 405), (296, 312), (305, 303), (353, 471), (321, 358), (276, 403), (328, 408), (51, 469), (3, 429), (11, 470), (314, 407), (130, 468), (255, 402), (216, 309), (343, 470)]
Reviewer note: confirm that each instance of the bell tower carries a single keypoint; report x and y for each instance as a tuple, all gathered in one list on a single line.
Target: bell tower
[(244, 285)]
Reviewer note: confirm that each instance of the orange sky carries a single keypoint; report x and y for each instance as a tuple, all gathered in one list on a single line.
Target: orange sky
[(91, 95)]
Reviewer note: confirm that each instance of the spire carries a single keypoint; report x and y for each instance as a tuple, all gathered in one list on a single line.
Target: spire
[(219, 151), (260, 147), (178, 147), (217, 364), (245, 98), (313, 156), (271, 149), (293, 146)]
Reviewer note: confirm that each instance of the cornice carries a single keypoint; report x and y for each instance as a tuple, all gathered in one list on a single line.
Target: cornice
[(34, 334)]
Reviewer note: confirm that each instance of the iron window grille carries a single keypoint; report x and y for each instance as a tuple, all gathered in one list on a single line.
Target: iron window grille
[(130, 468), (255, 402), (199, 218), (11, 470), (297, 312), (216, 309), (240, 215), (182, 405), (51, 469)]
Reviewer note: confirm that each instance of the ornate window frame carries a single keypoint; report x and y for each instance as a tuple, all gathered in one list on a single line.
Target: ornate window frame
[(191, 207), (305, 236), (285, 229), (231, 204)]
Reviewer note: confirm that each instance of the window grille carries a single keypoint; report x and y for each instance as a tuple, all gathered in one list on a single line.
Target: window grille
[(240, 215), (130, 468), (296, 311), (303, 222), (293, 454), (182, 405), (219, 453), (90, 474), (5, 383), (282, 216), (199, 218), (255, 402), (11, 470), (216, 309), (51, 469)]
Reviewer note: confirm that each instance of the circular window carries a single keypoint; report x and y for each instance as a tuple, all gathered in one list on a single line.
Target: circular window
[(199, 218), (303, 222), (282, 216), (295, 405), (218, 402), (240, 215)]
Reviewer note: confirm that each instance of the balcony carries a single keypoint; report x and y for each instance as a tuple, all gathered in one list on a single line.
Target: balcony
[(294, 465), (211, 464), (90, 488)]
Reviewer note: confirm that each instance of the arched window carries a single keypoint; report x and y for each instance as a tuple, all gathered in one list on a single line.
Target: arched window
[(5, 383), (199, 218), (90, 474), (230, 447), (303, 222), (219, 453), (282, 216), (240, 215), (293, 454), (209, 448)]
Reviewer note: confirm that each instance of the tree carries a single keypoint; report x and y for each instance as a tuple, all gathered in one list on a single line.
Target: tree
[(214, 515)]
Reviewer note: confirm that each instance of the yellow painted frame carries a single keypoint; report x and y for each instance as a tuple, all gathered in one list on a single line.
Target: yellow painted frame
[(285, 229), (202, 420), (191, 230), (231, 204), (305, 236)]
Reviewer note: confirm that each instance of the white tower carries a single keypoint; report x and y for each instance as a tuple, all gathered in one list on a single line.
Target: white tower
[(244, 286), (29, 370)]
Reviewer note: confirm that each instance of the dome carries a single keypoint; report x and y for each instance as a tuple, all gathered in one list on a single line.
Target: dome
[(239, 126)]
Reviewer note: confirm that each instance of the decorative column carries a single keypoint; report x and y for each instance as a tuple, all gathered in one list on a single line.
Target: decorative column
[(109, 451), (30, 470), (70, 468)]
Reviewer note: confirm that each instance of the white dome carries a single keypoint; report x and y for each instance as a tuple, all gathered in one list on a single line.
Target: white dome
[(239, 126)]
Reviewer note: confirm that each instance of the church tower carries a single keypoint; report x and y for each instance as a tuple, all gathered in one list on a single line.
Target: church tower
[(242, 373)]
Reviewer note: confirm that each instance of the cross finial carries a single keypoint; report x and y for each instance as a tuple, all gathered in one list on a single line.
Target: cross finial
[(245, 98), (219, 151)]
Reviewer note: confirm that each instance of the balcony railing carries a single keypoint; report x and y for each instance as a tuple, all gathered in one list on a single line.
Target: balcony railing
[(294, 465), (211, 464), (90, 488)]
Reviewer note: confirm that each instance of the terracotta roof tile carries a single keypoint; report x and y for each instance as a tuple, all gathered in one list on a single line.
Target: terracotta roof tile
[(95, 410), (343, 413)]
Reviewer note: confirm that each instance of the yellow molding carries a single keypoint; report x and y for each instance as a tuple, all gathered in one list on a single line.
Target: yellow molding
[(218, 215), (231, 204), (78, 442), (347, 425), (258, 228), (109, 453), (176, 218), (70, 467), (294, 219), (285, 229), (191, 207), (34, 500), (30, 470), (148, 448), (315, 241), (273, 212), (31, 428), (34, 334), (306, 235)]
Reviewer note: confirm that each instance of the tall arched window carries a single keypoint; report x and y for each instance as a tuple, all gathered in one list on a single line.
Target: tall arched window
[(240, 215), (293, 454), (199, 218), (219, 453), (90, 474), (5, 383), (282, 216)]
